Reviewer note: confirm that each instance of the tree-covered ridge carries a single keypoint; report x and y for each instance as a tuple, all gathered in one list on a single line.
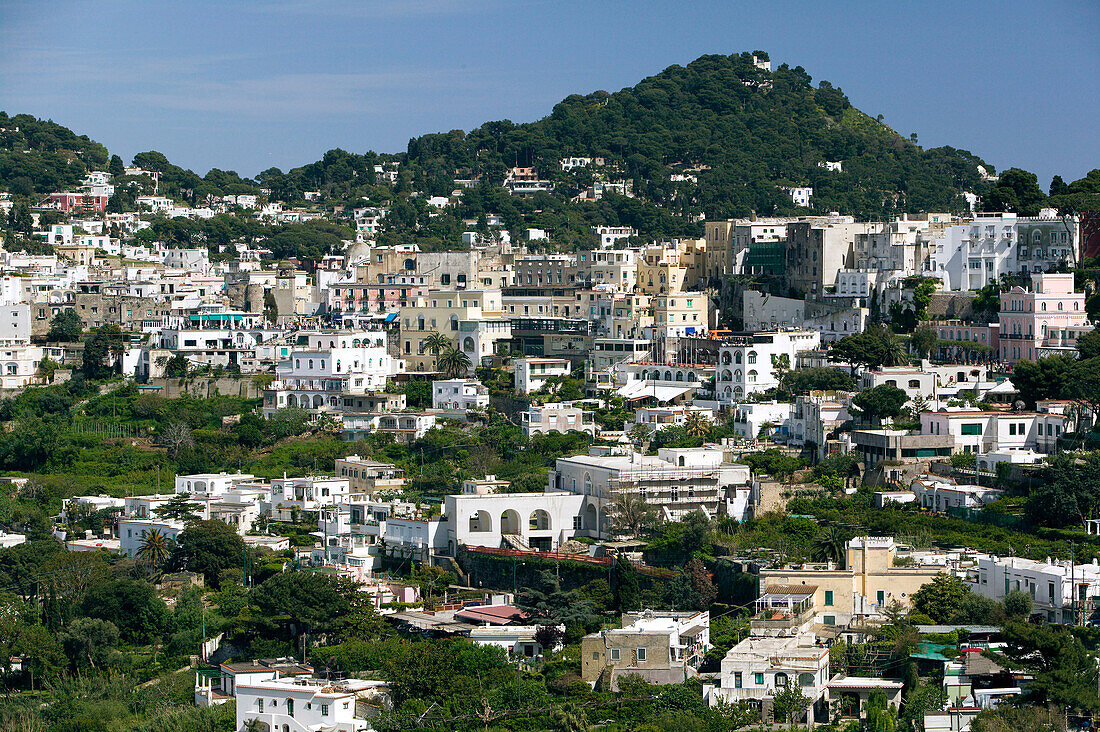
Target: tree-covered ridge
[(40, 156), (756, 130)]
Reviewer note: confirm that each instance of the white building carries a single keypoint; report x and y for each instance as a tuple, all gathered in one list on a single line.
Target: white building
[(540, 521), (1050, 585), (459, 395), (212, 484), (801, 195), (306, 494), (532, 373), (750, 364), (608, 236), (749, 418), (562, 417), (677, 482), (757, 667), (132, 532), (939, 495), (307, 704)]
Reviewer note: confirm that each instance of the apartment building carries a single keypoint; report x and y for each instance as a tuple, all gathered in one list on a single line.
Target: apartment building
[(459, 395), (367, 477), (563, 417), (751, 363), (677, 481), (820, 247), (473, 320), (1046, 319), (1060, 590), (659, 647), (531, 374), (869, 581)]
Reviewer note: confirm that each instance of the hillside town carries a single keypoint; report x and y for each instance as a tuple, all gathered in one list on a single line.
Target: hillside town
[(413, 458)]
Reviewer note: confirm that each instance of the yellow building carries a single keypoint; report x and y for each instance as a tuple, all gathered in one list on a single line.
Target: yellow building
[(473, 320), (869, 582)]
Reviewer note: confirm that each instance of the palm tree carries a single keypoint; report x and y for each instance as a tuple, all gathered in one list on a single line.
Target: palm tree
[(453, 362), (696, 425), (154, 548), (896, 354), (437, 342), (632, 514), (830, 544)]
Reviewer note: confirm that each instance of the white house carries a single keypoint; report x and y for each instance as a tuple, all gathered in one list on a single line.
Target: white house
[(563, 417), (751, 363), (939, 495), (308, 704), (532, 373), (132, 532), (537, 520), (459, 395)]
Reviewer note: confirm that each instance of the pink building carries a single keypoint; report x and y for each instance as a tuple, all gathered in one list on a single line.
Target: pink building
[(77, 201), (348, 297), (1042, 321)]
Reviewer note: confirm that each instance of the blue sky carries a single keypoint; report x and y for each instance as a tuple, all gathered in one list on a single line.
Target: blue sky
[(250, 84)]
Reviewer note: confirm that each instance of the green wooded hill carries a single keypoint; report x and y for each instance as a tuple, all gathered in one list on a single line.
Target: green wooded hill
[(751, 131), (756, 130), (39, 156)]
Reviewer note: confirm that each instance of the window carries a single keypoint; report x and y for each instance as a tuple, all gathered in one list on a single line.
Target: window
[(615, 654), (830, 620), (641, 654), (970, 429), (324, 710), (758, 679), (737, 679), (828, 598), (595, 655), (880, 597)]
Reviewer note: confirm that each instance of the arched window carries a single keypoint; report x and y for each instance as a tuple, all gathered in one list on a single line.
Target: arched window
[(1044, 307), (322, 364), (692, 377), (311, 363), (454, 322), (297, 363), (668, 376), (680, 461), (780, 680), (468, 344), (726, 357), (752, 376), (410, 264), (914, 383), (587, 483), (737, 375), (737, 357), (738, 392), (752, 356), (679, 375), (1076, 306), (1059, 305)]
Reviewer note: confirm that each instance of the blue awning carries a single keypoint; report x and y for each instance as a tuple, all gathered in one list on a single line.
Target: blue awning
[(391, 317)]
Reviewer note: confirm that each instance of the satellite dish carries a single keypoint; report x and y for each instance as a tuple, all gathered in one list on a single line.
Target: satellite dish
[(1018, 405)]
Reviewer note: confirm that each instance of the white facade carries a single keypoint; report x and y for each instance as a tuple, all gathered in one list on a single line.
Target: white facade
[(747, 364), (532, 373), (306, 494), (562, 417), (307, 704), (459, 395), (132, 532), (212, 484), (1050, 585), (538, 520)]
